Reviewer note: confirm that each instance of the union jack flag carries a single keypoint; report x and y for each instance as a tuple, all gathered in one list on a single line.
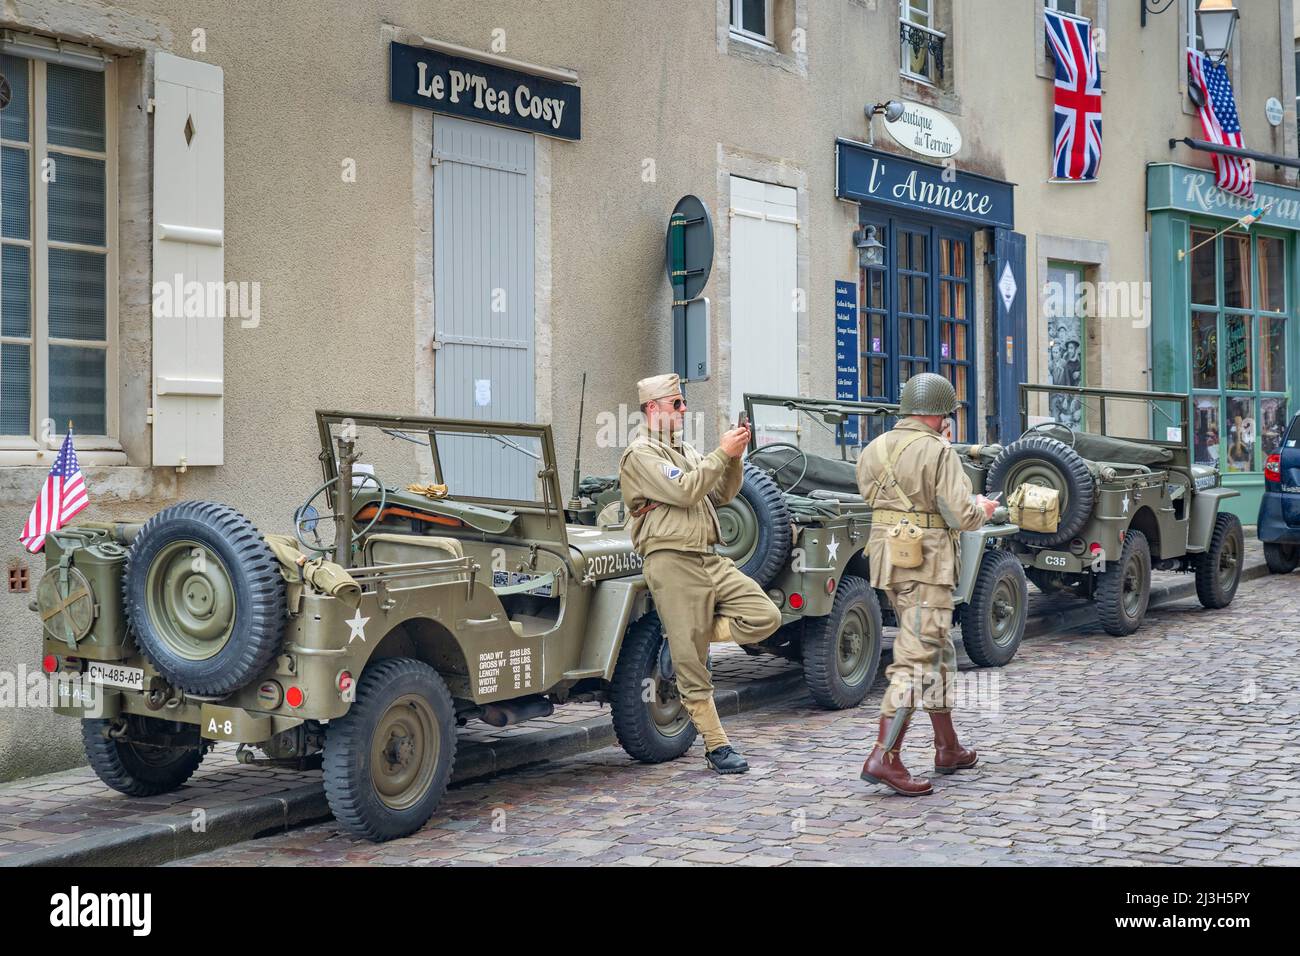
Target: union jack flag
[(1222, 126), (62, 496), (1076, 146)]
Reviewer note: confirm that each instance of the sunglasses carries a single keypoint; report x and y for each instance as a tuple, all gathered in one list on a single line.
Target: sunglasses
[(679, 404)]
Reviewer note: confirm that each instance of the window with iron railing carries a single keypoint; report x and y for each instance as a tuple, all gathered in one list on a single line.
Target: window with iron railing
[(921, 46)]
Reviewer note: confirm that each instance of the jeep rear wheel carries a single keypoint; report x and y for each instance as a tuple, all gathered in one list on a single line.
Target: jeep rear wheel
[(841, 651), (204, 597), (1123, 590), (650, 720), (389, 759), (142, 756), (993, 620), (1282, 558), (1039, 460), (1218, 570)]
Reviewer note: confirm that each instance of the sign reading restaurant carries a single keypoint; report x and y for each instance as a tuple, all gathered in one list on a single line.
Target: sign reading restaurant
[(481, 91), (1170, 186), (863, 174)]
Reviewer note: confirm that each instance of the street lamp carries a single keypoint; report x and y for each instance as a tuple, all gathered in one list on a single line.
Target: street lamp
[(891, 109), (871, 252), (1218, 19)]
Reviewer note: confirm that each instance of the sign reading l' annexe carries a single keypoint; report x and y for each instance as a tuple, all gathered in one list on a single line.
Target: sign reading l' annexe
[(870, 175), (480, 91)]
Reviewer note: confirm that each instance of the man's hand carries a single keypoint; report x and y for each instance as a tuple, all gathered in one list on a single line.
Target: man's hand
[(735, 441), (988, 504)]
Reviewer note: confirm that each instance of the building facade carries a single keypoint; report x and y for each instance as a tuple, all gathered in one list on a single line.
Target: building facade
[(456, 208)]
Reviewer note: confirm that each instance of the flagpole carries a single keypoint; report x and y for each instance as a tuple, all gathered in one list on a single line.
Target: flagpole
[(1246, 221)]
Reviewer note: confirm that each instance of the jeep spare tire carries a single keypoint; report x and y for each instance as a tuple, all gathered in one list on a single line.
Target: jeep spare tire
[(756, 528), (204, 597), (1039, 460)]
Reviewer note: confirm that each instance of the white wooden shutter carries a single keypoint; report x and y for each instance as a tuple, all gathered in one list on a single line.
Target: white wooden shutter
[(188, 239), (764, 320)]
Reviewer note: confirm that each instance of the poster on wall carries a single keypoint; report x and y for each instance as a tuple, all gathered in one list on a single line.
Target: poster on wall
[(1241, 434), (846, 352), (1206, 431), (1272, 425)]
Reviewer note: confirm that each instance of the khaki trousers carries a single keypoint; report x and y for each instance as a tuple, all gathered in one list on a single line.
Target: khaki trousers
[(691, 589), (924, 671)]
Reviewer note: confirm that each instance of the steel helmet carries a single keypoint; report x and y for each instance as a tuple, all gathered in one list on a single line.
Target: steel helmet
[(928, 394)]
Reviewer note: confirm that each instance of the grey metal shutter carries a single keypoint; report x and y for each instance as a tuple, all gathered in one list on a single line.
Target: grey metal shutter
[(483, 298)]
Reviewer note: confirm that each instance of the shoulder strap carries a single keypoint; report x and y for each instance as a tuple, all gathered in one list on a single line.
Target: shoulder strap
[(887, 466)]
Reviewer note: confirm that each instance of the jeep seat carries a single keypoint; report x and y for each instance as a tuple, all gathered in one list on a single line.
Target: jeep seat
[(388, 548), (824, 474)]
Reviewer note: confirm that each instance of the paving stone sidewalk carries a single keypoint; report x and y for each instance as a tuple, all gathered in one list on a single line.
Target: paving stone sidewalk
[(1179, 744)]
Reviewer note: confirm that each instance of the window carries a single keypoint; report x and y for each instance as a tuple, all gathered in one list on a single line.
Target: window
[(921, 46), (1238, 338), (915, 315), (752, 19), (57, 281), (1064, 6), (1194, 39)]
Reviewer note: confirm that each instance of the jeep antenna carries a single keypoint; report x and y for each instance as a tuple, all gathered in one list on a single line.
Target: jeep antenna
[(577, 454)]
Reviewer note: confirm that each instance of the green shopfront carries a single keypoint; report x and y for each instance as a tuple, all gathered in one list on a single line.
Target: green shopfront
[(1224, 319)]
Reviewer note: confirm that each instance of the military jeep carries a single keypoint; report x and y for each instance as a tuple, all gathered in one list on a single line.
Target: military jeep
[(1126, 505), (799, 527), (434, 583)]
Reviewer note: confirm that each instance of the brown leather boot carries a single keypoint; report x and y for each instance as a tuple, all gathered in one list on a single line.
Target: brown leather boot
[(886, 766), (949, 755)]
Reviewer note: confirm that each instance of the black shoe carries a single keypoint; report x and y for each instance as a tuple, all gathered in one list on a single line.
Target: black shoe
[(726, 760)]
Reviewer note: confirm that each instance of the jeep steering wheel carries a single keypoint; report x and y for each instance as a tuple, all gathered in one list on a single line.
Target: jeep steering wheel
[(798, 453), (1043, 426), (300, 519)]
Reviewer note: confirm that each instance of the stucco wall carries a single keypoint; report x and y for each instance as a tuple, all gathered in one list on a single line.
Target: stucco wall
[(343, 265)]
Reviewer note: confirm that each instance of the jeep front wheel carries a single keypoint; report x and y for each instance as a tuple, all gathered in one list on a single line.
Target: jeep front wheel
[(841, 651), (1123, 590), (389, 759), (650, 720), (142, 756), (993, 620), (1218, 570)]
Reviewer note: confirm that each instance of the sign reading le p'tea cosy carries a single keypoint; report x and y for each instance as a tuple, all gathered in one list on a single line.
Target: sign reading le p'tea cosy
[(482, 91)]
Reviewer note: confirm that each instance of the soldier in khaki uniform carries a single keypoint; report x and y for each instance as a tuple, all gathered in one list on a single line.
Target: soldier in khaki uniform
[(670, 490), (911, 474)]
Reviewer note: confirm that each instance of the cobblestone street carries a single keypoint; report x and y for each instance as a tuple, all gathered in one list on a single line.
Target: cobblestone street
[(1174, 745)]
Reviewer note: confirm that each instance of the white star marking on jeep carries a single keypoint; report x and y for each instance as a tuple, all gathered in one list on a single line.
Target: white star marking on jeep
[(358, 625), (1125, 504), (833, 548)]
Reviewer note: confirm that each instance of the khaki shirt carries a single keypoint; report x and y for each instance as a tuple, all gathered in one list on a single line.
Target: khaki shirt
[(930, 474), (685, 485)]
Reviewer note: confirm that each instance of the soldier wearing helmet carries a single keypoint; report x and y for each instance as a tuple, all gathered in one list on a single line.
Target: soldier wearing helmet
[(921, 499)]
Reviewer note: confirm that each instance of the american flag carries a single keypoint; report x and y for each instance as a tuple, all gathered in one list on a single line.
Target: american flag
[(1219, 120), (1076, 145), (62, 496)]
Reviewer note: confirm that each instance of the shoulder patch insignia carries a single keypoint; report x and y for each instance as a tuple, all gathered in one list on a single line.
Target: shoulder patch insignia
[(672, 472)]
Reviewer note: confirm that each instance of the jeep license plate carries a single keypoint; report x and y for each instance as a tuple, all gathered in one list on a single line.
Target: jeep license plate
[(116, 675)]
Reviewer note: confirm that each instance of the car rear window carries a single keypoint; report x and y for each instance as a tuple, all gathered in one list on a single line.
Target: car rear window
[(1292, 439)]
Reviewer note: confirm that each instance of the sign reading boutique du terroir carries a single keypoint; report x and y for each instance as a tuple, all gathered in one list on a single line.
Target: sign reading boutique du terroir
[(926, 131), (480, 91)]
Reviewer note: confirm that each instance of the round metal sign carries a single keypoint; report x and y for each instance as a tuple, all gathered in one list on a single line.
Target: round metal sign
[(1273, 111), (688, 252)]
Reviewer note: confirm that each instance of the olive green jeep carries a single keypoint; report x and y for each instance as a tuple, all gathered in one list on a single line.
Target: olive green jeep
[(1126, 505), (799, 528), (435, 583)]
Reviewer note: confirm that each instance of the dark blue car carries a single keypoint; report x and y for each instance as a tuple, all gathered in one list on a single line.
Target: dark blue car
[(1279, 511)]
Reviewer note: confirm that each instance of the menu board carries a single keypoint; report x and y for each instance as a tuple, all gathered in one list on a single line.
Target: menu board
[(1238, 352)]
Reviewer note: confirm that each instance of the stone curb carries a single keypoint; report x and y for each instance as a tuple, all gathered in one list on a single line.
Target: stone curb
[(172, 838)]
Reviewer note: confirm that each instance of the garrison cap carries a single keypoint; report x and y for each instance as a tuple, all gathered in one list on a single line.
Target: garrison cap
[(658, 386)]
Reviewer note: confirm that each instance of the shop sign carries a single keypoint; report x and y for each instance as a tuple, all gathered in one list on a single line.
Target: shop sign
[(864, 174), (846, 352), (925, 130), (1170, 186), (481, 91)]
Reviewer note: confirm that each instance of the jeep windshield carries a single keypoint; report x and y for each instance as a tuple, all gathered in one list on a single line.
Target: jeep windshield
[(829, 428), (482, 462)]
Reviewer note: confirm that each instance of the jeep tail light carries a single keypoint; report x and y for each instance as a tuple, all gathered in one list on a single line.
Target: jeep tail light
[(49, 664), (796, 600), (830, 585), (777, 596), (294, 696), (1273, 468), (344, 681)]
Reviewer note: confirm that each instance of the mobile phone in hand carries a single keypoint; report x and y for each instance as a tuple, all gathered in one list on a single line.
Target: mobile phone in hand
[(742, 421)]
